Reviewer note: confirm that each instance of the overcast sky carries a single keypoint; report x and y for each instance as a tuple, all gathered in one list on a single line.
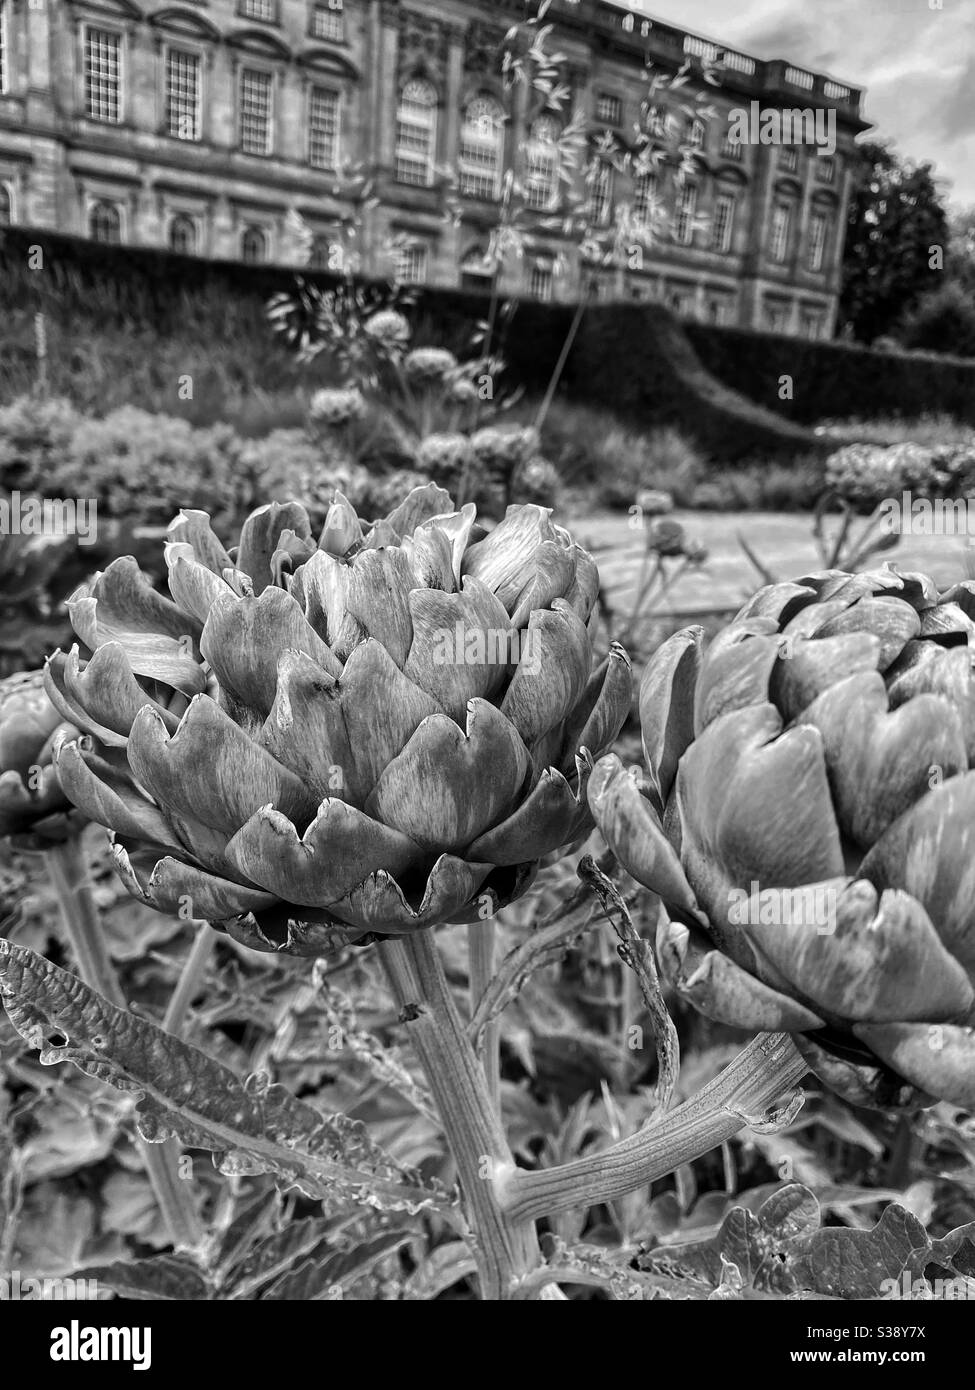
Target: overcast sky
[(917, 62)]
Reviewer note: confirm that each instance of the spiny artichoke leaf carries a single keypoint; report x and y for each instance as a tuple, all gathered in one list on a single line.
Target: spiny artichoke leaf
[(250, 1126)]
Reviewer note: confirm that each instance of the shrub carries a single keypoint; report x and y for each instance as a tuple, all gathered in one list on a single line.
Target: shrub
[(112, 459), (35, 439), (866, 474), (663, 460), (943, 321)]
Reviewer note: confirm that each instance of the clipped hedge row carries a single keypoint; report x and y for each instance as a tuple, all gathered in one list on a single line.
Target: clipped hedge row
[(836, 380), (637, 360), (159, 313)]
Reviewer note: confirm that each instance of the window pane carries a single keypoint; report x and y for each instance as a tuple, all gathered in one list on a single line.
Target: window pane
[(542, 173), (781, 226), (255, 111), (724, 221), (253, 245), (182, 235), (323, 128), (416, 131), (411, 263), (105, 224), (183, 95), (4, 53), (103, 76), (328, 20), (481, 147), (686, 210), (818, 232), (259, 9)]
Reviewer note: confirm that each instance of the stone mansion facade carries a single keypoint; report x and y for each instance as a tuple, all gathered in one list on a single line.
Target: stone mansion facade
[(206, 125)]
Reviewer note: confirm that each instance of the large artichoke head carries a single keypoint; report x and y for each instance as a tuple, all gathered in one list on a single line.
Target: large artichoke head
[(809, 823), (33, 809), (312, 742)]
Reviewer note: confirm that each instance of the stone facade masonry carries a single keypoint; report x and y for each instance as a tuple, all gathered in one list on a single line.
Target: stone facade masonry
[(89, 145)]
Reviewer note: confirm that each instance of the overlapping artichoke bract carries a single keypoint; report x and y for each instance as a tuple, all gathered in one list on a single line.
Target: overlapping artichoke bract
[(824, 743), (34, 811), (311, 743)]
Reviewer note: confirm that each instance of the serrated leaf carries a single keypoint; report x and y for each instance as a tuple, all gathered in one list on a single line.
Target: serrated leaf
[(327, 1274), (251, 1126), (440, 1271), (854, 1264), (276, 1254), (778, 1251), (163, 1278)]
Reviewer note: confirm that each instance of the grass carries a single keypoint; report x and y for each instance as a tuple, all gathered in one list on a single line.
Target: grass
[(930, 430)]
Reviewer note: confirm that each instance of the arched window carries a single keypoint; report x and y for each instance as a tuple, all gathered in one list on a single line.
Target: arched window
[(105, 224), (6, 206), (253, 245), (542, 180), (416, 134), (482, 148), (182, 234), (476, 271)]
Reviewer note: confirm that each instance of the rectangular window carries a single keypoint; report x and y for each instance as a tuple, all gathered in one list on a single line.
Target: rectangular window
[(812, 323), (697, 134), (789, 159), (818, 235), (328, 20), (645, 200), (825, 169), (255, 111), (732, 148), (4, 52), (601, 194), (412, 262), (541, 282), (723, 226), (265, 10), (103, 76), (781, 229), (686, 212), (609, 109), (323, 128), (776, 317), (416, 134), (183, 103)]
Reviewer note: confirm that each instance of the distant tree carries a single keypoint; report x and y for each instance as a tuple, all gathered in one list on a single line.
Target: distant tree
[(942, 321), (961, 264), (896, 217)]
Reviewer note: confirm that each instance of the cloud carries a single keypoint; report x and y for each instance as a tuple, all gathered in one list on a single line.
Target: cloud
[(916, 62)]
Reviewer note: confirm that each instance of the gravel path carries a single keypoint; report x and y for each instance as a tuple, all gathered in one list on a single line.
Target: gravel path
[(782, 540)]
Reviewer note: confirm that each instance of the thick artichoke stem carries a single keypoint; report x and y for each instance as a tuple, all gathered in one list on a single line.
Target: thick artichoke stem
[(481, 938), (72, 884), (743, 1094), (505, 1248)]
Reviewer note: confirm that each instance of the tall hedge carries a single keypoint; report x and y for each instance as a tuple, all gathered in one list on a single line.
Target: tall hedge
[(138, 308), (835, 380)]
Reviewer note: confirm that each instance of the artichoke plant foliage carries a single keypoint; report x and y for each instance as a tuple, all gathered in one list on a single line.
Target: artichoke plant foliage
[(808, 820), (317, 741), (34, 811)]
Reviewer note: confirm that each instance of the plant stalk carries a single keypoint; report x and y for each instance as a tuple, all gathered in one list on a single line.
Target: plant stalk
[(72, 884), (504, 1249), (481, 939), (742, 1095)]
